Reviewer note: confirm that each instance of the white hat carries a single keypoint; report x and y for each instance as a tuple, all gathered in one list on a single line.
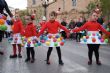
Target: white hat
[(43, 18)]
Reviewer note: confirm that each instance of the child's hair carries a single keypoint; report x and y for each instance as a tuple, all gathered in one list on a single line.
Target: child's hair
[(53, 13), (92, 13)]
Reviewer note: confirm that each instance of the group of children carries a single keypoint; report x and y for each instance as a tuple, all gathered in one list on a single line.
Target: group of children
[(52, 26), (18, 31), (29, 32)]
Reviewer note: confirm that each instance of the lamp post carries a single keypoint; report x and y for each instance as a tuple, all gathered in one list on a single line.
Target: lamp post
[(45, 5), (63, 5)]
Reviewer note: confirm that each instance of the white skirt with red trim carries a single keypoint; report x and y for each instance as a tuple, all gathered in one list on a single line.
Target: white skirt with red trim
[(93, 37)]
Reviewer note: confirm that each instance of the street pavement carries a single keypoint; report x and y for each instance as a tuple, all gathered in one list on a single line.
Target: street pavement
[(74, 55)]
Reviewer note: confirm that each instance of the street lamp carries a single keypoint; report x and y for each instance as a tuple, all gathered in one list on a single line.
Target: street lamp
[(45, 5), (63, 5)]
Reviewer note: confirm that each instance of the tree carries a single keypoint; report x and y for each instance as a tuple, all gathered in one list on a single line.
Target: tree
[(91, 6), (105, 5), (22, 13)]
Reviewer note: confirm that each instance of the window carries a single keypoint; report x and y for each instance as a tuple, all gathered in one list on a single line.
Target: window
[(33, 2), (74, 2)]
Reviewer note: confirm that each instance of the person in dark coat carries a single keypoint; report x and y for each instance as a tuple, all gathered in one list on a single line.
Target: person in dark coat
[(4, 6), (72, 25), (78, 34), (63, 33)]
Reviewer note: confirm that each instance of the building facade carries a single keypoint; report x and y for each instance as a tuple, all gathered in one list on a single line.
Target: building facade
[(35, 7), (64, 8), (69, 8)]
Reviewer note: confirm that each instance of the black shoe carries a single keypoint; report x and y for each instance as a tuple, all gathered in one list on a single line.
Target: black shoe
[(98, 63), (1, 53), (33, 60), (61, 62), (27, 60), (48, 62), (89, 62), (13, 56), (19, 56)]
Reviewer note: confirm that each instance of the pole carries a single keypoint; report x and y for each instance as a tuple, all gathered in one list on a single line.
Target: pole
[(45, 11), (63, 5), (45, 5)]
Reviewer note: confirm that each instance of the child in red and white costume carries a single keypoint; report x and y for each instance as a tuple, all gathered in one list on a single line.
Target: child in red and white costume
[(30, 35), (17, 29), (52, 27), (93, 38)]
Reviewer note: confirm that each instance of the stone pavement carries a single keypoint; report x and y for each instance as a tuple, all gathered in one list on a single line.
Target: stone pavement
[(74, 56)]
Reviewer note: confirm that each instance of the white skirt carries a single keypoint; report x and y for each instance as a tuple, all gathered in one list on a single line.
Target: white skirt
[(93, 37), (52, 40), (30, 42), (16, 39)]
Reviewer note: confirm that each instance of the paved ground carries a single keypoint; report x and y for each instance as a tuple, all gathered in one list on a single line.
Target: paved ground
[(74, 56)]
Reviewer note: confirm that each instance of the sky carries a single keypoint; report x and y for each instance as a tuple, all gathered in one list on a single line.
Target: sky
[(21, 4)]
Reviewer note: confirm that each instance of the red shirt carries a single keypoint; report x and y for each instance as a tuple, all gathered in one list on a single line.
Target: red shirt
[(42, 23), (17, 27), (52, 27), (91, 26), (30, 30)]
